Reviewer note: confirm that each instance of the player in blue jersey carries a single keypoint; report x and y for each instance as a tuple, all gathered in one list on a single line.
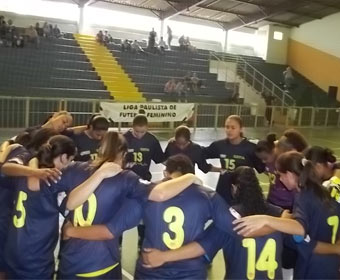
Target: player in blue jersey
[(96, 200), (33, 231), (316, 218), (250, 258), (142, 148), (182, 144), (233, 151), (88, 141)]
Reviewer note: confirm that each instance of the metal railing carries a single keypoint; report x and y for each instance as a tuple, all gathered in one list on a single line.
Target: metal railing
[(254, 78), (22, 112)]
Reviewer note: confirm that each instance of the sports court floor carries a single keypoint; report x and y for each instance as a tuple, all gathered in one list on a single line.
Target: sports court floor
[(328, 137)]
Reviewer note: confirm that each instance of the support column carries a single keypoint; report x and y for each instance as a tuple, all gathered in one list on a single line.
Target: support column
[(162, 29), (225, 41), (81, 20)]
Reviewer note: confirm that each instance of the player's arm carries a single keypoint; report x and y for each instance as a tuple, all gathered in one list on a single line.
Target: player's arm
[(158, 155), (154, 258), (81, 193), (249, 225), (323, 248), (6, 149), (95, 232), (78, 129), (169, 189)]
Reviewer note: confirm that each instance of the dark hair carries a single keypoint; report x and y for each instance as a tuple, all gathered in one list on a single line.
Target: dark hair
[(112, 145), (98, 122), (237, 119), (57, 146), (249, 192), (317, 154), (295, 162), (39, 138), (140, 120), (292, 140), (23, 139), (183, 131), (267, 145), (179, 163)]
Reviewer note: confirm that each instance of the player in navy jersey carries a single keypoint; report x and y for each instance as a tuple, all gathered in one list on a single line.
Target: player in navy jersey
[(182, 144), (95, 201), (33, 231), (88, 142), (233, 151), (316, 218), (250, 258), (142, 148)]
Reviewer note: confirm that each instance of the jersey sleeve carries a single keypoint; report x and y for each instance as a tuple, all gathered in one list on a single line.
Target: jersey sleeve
[(273, 210), (301, 211), (127, 217), (212, 240), (158, 154), (138, 188), (167, 151), (257, 163), (201, 161), (211, 151)]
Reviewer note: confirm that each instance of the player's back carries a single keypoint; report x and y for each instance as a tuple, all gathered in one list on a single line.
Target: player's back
[(172, 224), (253, 258)]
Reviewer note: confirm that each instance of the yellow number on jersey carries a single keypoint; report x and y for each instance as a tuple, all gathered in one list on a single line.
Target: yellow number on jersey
[(266, 261), (93, 156), (272, 178), (229, 164), (137, 157), (19, 222), (176, 226), (79, 220), (333, 221)]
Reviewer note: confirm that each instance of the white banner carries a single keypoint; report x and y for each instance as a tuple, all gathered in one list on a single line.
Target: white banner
[(155, 112)]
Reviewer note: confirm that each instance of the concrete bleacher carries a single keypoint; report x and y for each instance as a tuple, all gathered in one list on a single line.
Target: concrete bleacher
[(59, 68), (150, 72)]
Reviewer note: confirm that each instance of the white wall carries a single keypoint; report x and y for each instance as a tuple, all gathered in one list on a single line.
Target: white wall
[(321, 34)]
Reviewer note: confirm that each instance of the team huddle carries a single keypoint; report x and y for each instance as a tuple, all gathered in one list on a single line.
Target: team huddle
[(100, 181)]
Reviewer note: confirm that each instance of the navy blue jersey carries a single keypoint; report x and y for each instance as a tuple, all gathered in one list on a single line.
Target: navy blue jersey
[(232, 156), (141, 152), (176, 222), (321, 223), (246, 258), (99, 209), (87, 148), (193, 151), (34, 229)]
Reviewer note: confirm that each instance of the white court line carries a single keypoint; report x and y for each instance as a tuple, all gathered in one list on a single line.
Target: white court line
[(127, 274), (326, 140)]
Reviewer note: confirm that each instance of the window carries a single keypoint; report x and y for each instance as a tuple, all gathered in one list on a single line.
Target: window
[(278, 35)]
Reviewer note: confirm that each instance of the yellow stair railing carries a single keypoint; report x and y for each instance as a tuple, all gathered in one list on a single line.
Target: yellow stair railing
[(117, 82)]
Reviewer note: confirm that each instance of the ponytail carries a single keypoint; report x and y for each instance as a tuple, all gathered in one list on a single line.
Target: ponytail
[(266, 146), (321, 155)]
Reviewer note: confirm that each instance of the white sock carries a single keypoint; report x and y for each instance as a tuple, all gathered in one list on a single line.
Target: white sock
[(287, 274)]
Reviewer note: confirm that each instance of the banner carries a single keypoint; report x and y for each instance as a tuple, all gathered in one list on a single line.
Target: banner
[(155, 112)]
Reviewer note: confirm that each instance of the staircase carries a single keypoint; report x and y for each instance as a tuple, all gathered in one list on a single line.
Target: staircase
[(117, 82)]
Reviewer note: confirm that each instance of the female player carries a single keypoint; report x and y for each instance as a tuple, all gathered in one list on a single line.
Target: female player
[(95, 201), (316, 217), (233, 151), (240, 264), (182, 144), (33, 232)]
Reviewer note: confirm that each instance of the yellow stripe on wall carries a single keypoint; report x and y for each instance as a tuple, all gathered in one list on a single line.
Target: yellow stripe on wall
[(321, 68), (118, 83)]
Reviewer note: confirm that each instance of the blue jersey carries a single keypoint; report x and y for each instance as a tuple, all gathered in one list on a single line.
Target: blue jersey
[(141, 152), (232, 156), (246, 258), (7, 191), (321, 223), (34, 230), (176, 222), (83, 257), (87, 148), (193, 151)]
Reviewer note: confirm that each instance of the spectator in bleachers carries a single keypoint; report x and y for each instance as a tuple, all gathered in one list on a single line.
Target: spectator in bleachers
[(152, 40), (136, 48), (46, 30), (10, 34), (181, 42), (32, 36), (169, 37), (3, 26), (170, 87), (188, 81), (161, 46), (56, 32), (100, 37), (195, 83), (288, 78), (39, 30), (126, 46), (180, 90)]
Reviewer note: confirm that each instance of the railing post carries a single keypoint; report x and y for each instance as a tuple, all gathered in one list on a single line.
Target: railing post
[(216, 116), (313, 117), (326, 118), (272, 116), (338, 117), (27, 112), (195, 116), (300, 116), (94, 107)]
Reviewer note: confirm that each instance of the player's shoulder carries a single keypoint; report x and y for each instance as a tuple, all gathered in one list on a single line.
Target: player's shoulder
[(151, 136)]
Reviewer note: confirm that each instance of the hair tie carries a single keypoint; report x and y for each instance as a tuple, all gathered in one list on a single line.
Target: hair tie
[(304, 161)]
